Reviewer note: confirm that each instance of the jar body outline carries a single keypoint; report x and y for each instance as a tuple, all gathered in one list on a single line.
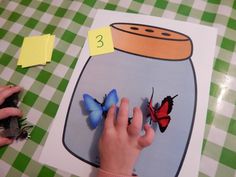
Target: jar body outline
[(163, 85)]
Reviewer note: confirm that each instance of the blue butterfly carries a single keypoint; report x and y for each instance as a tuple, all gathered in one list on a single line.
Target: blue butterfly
[(99, 110)]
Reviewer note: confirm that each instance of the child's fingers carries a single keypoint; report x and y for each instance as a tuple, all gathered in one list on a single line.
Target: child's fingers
[(5, 93), (5, 141), (136, 125), (3, 87), (109, 121), (6, 112), (147, 138), (122, 118)]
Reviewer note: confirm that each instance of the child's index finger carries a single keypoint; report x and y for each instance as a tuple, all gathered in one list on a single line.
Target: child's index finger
[(122, 118), (109, 121), (10, 111), (7, 92)]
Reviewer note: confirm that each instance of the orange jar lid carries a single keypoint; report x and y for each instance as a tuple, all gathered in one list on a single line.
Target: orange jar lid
[(150, 41)]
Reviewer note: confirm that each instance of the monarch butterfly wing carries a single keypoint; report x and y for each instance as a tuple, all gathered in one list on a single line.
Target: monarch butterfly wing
[(110, 99), (91, 104), (163, 123), (94, 118), (162, 116), (168, 100)]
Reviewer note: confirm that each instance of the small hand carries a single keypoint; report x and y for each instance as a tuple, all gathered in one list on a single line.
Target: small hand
[(120, 143), (5, 92)]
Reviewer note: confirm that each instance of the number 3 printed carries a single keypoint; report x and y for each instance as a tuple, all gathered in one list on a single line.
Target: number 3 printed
[(99, 41)]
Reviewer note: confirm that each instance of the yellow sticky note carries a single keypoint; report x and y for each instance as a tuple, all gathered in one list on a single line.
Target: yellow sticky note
[(49, 48), (100, 41), (33, 51), (19, 62)]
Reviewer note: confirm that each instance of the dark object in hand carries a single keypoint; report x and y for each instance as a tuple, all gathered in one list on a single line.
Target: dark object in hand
[(12, 127)]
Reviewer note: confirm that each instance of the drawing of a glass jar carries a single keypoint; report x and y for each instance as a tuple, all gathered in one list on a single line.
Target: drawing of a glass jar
[(145, 57)]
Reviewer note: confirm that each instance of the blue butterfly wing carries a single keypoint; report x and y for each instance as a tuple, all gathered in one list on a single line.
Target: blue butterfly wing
[(110, 99), (94, 118), (95, 110), (91, 104)]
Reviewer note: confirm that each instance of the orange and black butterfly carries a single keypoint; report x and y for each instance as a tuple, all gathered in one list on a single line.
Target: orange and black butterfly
[(160, 114)]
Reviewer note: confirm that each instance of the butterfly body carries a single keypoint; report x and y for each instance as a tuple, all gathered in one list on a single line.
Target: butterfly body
[(160, 114), (99, 110)]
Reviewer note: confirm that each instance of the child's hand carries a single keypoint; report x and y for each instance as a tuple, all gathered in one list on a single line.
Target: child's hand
[(120, 143), (5, 92)]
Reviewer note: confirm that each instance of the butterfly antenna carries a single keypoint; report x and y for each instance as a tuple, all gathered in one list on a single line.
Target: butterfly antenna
[(150, 100), (174, 96), (152, 94)]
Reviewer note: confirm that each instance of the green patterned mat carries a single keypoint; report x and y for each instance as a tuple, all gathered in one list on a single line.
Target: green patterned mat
[(70, 22)]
